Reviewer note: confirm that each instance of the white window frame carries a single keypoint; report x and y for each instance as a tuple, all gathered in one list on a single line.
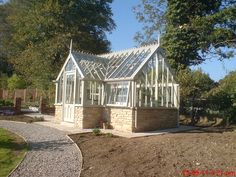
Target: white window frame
[(120, 104)]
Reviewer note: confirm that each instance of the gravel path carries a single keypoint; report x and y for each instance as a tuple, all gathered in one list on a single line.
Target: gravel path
[(51, 153)]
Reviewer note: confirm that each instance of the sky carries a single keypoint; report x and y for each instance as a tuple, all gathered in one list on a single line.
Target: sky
[(127, 25)]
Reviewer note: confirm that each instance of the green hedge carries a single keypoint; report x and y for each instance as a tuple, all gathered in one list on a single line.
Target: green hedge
[(6, 103)]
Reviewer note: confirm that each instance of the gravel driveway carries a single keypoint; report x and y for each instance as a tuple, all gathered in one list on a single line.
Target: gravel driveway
[(51, 153)]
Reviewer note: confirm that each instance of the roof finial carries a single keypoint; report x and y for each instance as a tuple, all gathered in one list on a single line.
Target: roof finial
[(71, 45)]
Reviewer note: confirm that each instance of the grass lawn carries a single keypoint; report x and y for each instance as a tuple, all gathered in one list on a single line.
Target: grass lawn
[(12, 151)]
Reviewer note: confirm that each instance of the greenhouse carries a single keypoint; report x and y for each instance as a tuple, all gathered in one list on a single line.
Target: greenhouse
[(131, 90)]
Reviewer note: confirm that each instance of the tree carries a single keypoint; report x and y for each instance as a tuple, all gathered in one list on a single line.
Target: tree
[(192, 31), (194, 88), (42, 31), (223, 98), (5, 35), (15, 82)]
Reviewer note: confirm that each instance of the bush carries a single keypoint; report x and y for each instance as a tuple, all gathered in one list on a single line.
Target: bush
[(6, 103), (3, 82), (15, 82), (96, 131), (109, 135)]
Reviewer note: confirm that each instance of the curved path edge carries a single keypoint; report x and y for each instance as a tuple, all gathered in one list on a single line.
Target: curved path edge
[(27, 144), (80, 152)]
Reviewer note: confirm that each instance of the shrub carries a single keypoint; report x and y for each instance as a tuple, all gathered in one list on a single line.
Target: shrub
[(6, 103), (96, 131), (15, 82), (109, 135)]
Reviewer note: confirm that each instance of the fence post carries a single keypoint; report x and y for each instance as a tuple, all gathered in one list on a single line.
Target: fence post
[(17, 105), (1, 94), (43, 105)]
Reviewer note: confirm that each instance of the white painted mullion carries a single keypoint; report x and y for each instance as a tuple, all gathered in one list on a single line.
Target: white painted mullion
[(56, 95), (152, 77), (83, 93), (167, 87), (156, 80), (172, 91), (75, 82), (162, 83), (146, 83), (92, 91), (127, 95)]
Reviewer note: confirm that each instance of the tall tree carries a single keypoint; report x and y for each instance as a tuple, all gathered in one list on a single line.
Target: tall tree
[(192, 30), (223, 98), (5, 35), (194, 88), (42, 31)]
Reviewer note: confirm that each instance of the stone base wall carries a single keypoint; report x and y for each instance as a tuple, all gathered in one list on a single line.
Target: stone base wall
[(88, 117), (58, 113), (149, 119), (121, 119), (92, 117), (78, 117)]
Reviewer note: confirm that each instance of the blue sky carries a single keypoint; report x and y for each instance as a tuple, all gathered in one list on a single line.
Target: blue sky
[(127, 26)]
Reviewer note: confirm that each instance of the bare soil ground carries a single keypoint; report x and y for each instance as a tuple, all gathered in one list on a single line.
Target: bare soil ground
[(180, 154)]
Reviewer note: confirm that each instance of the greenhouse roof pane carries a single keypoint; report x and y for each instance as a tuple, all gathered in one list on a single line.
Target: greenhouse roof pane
[(91, 66), (116, 65), (124, 64)]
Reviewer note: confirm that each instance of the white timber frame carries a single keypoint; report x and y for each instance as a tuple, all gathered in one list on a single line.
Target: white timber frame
[(142, 75)]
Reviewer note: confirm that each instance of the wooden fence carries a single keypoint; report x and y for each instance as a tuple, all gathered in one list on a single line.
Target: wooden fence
[(26, 95)]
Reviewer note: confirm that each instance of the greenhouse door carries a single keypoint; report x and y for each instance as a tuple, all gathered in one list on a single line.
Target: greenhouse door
[(69, 97)]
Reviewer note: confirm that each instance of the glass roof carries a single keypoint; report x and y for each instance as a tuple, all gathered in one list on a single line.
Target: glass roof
[(116, 65), (124, 64), (91, 66)]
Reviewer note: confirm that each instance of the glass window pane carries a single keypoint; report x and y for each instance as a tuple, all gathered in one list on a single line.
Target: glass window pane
[(93, 92), (78, 93), (60, 89), (69, 89), (118, 93), (70, 66)]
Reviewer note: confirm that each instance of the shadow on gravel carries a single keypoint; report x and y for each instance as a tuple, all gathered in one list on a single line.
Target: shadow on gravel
[(58, 145)]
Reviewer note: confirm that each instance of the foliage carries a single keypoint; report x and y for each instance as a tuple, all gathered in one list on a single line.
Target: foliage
[(223, 97), (15, 82), (194, 88), (96, 131), (5, 35), (6, 103), (110, 135), (12, 150), (3, 81), (41, 33), (194, 84), (192, 31)]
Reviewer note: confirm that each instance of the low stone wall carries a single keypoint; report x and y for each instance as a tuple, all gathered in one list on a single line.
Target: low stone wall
[(58, 113), (121, 119), (78, 116), (92, 116), (149, 119)]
